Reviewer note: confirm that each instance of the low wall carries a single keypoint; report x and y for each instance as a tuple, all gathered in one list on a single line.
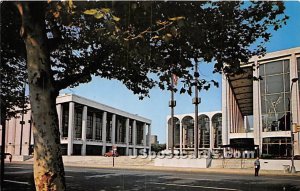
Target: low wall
[(174, 162), (268, 164), (107, 161)]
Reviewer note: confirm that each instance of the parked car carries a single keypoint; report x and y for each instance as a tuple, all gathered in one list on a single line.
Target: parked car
[(111, 153)]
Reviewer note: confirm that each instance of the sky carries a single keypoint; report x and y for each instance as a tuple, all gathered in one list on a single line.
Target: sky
[(155, 108)]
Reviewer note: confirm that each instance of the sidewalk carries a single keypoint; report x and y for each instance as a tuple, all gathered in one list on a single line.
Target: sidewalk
[(146, 164)]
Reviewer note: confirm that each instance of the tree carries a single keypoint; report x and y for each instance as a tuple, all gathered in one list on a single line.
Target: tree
[(158, 147), (66, 43), (12, 77)]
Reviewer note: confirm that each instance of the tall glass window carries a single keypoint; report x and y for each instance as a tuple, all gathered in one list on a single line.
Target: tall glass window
[(120, 129), (275, 94), (98, 127), (89, 126), (217, 127), (78, 123), (65, 120), (139, 133), (204, 131), (188, 132), (109, 127)]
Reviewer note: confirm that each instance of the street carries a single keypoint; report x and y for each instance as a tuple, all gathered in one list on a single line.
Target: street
[(20, 177)]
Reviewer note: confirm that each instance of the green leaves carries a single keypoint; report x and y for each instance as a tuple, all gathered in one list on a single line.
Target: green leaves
[(129, 41), (91, 12), (101, 13)]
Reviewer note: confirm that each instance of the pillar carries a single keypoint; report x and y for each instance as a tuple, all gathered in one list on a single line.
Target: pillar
[(83, 134), (59, 109), (104, 121), (127, 137), (257, 119), (94, 126), (149, 138), (225, 128), (113, 131), (71, 128), (134, 137), (295, 100), (180, 137), (144, 137), (211, 134)]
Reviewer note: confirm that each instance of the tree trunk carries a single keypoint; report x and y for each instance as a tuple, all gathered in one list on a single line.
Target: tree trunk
[(2, 147), (48, 165)]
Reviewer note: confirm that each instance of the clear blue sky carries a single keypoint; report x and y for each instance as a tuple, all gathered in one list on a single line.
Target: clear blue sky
[(113, 93)]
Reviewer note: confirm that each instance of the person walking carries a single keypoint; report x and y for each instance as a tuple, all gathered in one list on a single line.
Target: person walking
[(257, 166)]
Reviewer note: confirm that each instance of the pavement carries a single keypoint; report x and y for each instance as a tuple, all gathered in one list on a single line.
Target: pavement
[(145, 164)]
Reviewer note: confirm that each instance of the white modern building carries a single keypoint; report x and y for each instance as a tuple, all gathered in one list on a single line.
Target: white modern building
[(86, 128), (256, 114), (210, 131), (261, 112)]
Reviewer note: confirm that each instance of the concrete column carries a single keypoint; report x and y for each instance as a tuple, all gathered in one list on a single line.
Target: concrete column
[(94, 126), (180, 137), (127, 137), (295, 100), (83, 130), (144, 137), (183, 136), (149, 137), (211, 134), (134, 137), (71, 128), (59, 109), (224, 111), (257, 119), (113, 131), (104, 121), (167, 135)]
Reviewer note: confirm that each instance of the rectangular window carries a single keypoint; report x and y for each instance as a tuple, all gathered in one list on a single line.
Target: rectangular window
[(65, 120), (275, 91), (98, 127), (89, 126), (78, 123)]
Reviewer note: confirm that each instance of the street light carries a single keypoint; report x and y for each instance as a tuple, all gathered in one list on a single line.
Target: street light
[(293, 169)]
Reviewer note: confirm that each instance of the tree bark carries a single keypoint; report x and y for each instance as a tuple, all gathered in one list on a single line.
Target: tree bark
[(2, 148), (48, 164)]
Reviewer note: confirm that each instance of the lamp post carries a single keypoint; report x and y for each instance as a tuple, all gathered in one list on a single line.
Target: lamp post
[(196, 101), (293, 169)]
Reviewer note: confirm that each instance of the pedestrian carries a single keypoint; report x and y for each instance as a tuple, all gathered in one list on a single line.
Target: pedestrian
[(257, 166)]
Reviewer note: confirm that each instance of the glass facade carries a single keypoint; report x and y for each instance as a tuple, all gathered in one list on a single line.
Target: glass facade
[(204, 131), (217, 127), (78, 123), (177, 132), (98, 127), (276, 147), (120, 129), (275, 94), (139, 133), (89, 126), (188, 132), (65, 119)]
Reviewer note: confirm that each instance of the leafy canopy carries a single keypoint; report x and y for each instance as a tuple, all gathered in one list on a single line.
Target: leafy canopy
[(130, 41)]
